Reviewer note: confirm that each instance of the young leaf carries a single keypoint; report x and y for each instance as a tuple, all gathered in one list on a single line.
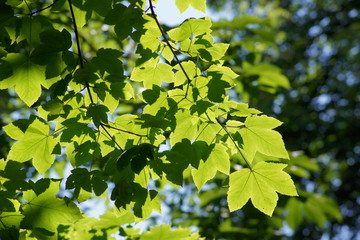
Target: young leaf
[(259, 136), (35, 144), (259, 184), (189, 27), (153, 73), (27, 77)]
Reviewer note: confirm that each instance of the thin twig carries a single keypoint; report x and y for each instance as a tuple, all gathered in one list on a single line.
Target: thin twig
[(151, 7), (42, 9), (122, 130), (112, 138), (81, 60)]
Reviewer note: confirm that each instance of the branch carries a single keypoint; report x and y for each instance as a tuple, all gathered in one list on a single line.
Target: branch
[(112, 138), (42, 9), (81, 60), (151, 7), (122, 130)]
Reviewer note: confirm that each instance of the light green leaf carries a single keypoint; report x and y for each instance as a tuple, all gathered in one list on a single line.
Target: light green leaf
[(47, 212), (259, 184), (27, 77), (189, 27), (190, 69), (164, 232), (183, 5), (150, 39), (258, 135), (35, 144), (185, 127), (10, 219), (13, 131), (218, 160), (153, 73)]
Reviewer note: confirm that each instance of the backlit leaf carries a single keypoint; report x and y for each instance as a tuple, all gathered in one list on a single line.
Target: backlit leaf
[(261, 185), (47, 212), (218, 160), (183, 5), (153, 73), (258, 135), (35, 144), (27, 77)]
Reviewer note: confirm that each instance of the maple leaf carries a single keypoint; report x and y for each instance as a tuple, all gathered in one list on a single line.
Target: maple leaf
[(259, 184)]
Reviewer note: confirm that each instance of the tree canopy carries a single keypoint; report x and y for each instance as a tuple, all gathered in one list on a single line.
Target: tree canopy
[(236, 128)]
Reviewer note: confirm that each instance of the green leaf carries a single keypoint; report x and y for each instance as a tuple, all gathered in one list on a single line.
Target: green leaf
[(153, 73), (10, 219), (107, 60), (98, 184), (125, 19), (79, 178), (185, 127), (36, 144), (101, 7), (189, 27), (216, 87), (164, 232), (321, 209), (183, 5), (136, 156), (180, 157), (259, 184), (218, 160), (257, 135), (27, 77), (85, 152), (97, 114), (55, 40), (45, 211)]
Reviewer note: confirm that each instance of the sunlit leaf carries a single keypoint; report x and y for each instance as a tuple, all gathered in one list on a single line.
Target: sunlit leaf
[(47, 212), (258, 135), (27, 77), (183, 5), (36, 144), (261, 185), (218, 160)]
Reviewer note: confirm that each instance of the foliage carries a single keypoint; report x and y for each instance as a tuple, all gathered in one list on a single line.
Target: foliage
[(151, 107)]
